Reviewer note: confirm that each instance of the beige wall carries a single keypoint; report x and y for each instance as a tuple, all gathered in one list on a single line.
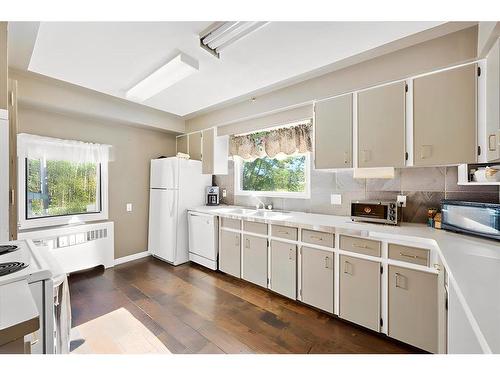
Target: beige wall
[(51, 94), (448, 50), (3, 65), (133, 148)]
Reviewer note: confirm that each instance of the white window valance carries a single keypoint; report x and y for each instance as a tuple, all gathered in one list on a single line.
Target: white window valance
[(38, 147), (285, 141)]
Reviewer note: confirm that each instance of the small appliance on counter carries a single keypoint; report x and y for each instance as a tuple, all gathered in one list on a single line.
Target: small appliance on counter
[(384, 212), (212, 196), (480, 219)]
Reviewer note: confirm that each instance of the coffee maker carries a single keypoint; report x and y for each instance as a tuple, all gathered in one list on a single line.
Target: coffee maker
[(212, 196)]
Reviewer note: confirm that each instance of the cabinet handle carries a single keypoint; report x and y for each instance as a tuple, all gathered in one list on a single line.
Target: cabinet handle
[(290, 254), (425, 151), (327, 262), (411, 256), (365, 154), (346, 264), (247, 243), (317, 238), (396, 279), (345, 157), (360, 246), (492, 145), (283, 231)]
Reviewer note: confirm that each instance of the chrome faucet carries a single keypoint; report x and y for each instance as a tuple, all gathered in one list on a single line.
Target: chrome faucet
[(257, 206)]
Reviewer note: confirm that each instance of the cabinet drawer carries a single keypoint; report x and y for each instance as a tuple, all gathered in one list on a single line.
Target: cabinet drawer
[(409, 254), (360, 245), (230, 223), (281, 231), (318, 238), (252, 226)]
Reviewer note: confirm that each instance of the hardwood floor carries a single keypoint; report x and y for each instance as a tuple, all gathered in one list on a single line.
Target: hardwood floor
[(195, 310)]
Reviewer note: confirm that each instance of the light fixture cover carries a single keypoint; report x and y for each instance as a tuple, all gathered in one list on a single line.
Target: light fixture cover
[(222, 34), (172, 72), (382, 172)]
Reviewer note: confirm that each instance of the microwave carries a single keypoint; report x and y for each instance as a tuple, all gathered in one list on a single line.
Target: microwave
[(480, 219), (384, 212)]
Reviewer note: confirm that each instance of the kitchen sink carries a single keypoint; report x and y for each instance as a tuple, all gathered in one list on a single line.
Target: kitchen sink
[(241, 211)]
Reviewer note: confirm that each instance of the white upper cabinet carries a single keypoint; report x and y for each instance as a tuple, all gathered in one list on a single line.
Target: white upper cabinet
[(444, 117), (493, 103), (206, 146), (333, 133), (381, 126)]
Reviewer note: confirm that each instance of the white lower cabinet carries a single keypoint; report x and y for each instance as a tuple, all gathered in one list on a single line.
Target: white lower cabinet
[(413, 307), (359, 291), (229, 253), (284, 268), (255, 260), (317, 268)]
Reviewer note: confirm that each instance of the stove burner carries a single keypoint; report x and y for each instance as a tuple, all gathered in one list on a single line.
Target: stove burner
[(8, 249), (11, 267)]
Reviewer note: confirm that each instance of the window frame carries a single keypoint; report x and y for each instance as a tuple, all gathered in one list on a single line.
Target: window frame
[(306, 194), (70, 219)]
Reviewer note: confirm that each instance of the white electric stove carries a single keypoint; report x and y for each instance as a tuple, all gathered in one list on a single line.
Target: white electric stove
[(21, 260)]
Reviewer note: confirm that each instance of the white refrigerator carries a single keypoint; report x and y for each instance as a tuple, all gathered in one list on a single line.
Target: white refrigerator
[(175, 185)]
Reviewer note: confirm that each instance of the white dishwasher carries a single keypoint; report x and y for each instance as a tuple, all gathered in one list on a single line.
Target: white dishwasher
[(203, 239)]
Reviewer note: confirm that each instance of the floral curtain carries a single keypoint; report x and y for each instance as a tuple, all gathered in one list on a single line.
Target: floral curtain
[(287, 140)]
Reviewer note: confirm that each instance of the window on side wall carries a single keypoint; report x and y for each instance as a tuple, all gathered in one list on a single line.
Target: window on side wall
[(61, 182), (273, 163)]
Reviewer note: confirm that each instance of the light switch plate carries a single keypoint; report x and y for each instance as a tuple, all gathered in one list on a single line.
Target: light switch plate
[(129, 207), (402, 200), (224, 193), (336, 199)]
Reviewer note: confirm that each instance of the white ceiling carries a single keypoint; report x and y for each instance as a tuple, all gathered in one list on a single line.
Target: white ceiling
[(111, 57)]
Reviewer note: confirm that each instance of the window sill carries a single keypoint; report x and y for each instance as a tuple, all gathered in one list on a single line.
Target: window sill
[(273, 194)]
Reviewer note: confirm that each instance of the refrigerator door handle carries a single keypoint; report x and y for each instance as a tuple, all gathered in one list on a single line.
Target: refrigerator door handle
[(172, 206)]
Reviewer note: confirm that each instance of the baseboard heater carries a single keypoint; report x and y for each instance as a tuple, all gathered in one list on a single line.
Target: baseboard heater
[(77, 247)]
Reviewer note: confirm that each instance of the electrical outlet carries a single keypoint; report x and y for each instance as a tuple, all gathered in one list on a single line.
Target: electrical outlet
[(402, 200), (129, 207), (224, 193), (336, 199)]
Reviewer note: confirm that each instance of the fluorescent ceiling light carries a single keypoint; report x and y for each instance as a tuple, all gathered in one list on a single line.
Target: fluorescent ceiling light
[(174, 71), (223, 34)]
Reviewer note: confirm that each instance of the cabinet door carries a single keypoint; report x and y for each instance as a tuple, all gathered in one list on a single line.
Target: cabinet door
[(284, 268), (413, 307), (359, 291), (207, 162), (229, 253), (194, 141), (333, 133), (493, 103), (182, 144), (255, 260), (444, 117), (317, 278), (381, 126)]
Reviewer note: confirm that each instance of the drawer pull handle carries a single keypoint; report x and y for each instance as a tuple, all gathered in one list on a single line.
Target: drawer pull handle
[(360, 246), (283, 232), (317, 238), (411, 256)]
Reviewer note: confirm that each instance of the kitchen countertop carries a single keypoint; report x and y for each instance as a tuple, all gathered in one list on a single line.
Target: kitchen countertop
[(472, 263)]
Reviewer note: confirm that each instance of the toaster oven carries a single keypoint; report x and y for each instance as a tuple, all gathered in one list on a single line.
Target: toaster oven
[(384, 212)]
